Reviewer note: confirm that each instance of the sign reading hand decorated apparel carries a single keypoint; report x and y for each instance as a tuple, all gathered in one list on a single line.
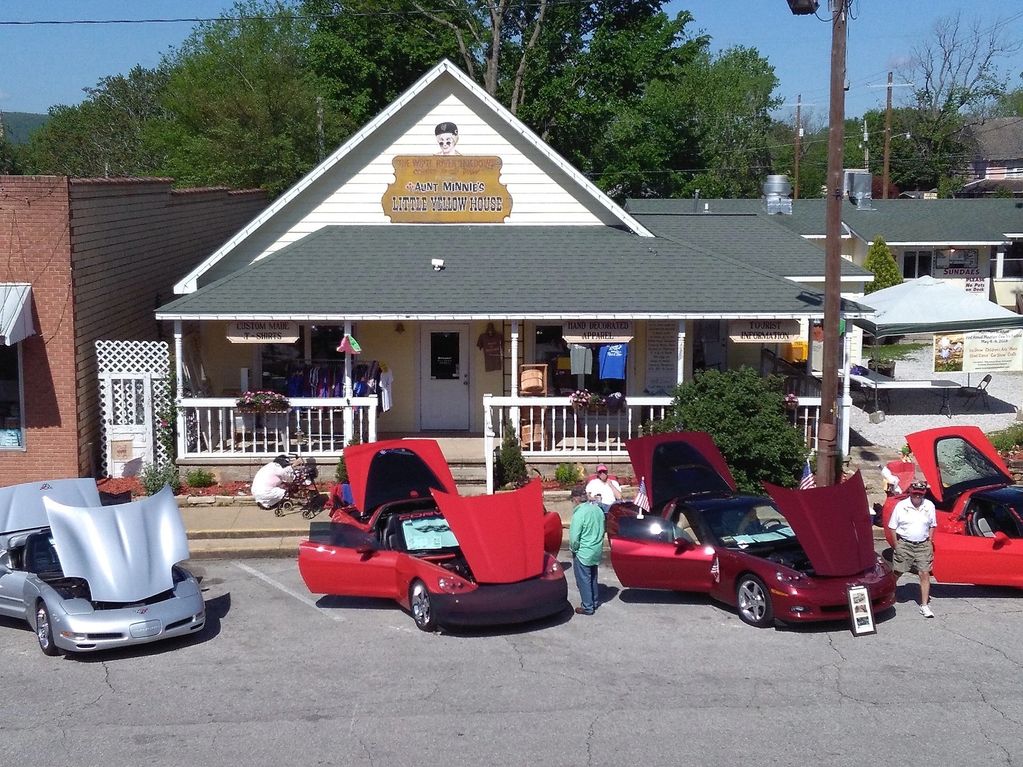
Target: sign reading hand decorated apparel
[(446, 188)]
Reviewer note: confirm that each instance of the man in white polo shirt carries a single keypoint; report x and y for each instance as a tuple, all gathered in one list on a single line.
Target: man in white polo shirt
[(912, 527)]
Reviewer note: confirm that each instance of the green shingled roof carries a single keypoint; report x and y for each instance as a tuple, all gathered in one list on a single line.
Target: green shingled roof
[(751, 238), (964, 220), (492, 271)]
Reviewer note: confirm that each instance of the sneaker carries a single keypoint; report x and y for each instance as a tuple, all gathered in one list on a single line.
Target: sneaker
[(583, 611), (925, 610)]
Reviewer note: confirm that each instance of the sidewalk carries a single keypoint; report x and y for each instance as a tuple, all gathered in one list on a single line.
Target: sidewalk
[(245, 531)]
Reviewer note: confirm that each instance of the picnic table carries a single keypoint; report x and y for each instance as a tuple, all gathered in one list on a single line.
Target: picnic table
[(882, 385)]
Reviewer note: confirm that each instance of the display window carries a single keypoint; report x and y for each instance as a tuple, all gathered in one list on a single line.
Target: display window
[(12, 434)]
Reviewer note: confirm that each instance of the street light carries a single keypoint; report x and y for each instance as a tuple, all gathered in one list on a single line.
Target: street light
[(827, 428)]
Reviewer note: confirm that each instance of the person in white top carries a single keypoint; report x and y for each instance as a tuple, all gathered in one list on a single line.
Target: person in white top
[(910, 532), (602, 490), (270, 483)]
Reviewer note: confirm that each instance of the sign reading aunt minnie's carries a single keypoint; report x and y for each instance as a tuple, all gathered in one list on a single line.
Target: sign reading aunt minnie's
[(447, 187)]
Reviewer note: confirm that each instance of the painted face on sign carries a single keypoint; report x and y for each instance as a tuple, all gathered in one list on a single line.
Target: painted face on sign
[(447, 142)]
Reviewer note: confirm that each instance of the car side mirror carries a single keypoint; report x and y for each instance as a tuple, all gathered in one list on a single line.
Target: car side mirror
[(1001, 539), (365, 551), (682, 544)]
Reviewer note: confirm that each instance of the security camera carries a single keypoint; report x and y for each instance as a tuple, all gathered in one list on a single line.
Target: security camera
[(437, 264)]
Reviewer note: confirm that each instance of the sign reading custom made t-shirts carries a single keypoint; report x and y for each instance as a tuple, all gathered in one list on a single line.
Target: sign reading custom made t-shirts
[(451, 189)]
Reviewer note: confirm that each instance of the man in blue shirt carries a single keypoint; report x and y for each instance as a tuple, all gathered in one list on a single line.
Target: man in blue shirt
[(586, 542)]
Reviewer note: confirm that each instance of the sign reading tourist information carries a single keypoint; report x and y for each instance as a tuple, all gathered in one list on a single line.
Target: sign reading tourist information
[(262, 332), (763, 331), (452, 189)]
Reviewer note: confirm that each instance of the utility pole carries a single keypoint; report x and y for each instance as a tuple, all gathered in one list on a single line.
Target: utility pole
[(866, 146), (887, 139), (799, 137), (827, 429)]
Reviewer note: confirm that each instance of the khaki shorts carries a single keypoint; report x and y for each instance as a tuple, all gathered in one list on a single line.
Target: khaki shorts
[(908, 555)]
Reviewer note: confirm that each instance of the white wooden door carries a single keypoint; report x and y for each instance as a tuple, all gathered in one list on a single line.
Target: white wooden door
[(444, 366)]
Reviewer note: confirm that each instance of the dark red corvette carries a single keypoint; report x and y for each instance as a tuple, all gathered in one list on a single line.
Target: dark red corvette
[(449, 560), (979, 538), (791, 557)]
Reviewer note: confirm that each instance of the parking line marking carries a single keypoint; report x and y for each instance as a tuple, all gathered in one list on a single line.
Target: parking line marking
[(281, 587)]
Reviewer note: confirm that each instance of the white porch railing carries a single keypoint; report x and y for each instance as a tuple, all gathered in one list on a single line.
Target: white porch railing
[(552, 427), (215, 427)]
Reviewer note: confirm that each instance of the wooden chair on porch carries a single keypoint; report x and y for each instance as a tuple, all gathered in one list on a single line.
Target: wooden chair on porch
[(533, 420)]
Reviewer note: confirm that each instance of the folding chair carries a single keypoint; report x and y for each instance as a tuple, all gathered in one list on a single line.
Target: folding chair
[(980, 390)]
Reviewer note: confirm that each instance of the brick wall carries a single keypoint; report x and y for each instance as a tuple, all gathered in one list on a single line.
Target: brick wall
[(131, 240), (101, 254), (35, 248)]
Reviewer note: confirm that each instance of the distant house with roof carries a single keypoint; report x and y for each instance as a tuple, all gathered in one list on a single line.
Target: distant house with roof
[(996, 161)]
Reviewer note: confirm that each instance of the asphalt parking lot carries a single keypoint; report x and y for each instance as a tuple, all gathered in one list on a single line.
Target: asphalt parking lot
[(655, 678)]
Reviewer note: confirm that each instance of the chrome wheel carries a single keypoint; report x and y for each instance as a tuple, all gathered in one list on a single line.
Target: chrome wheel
[(753, 602), (419, 603), (44, 631)]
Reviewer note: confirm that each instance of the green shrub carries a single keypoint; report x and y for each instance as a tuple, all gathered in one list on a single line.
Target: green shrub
[(1007, 439), (154, 477), (509, 466), (745, 414), (199, 478), (567, 474), (341, 470)]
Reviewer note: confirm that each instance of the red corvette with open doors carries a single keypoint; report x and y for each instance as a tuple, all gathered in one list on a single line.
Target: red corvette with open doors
[(791, 557), (448, 559), (979, 510)]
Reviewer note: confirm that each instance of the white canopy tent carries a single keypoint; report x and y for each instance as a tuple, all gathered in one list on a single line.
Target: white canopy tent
[(927, 305)]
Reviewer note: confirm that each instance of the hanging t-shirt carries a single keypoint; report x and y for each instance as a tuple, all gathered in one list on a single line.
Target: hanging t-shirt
[(612, 361), (582, 359), (492, 345)]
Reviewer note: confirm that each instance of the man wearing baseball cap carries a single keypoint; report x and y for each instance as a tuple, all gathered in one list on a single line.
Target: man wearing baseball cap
[(602, 490), (912, 525)]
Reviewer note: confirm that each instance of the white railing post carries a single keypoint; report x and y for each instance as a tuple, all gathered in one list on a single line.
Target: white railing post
[(488, 441), (371, 428), (179, 390)]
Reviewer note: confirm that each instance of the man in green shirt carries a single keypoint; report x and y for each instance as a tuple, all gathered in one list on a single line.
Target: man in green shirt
[(586, 541)]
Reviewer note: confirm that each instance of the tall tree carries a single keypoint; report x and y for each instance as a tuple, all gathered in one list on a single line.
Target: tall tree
[(881, 262), (241, 102), (956, 76), (105, 135)]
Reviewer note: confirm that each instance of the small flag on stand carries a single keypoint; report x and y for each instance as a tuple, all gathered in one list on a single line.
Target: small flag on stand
[(807, 480), (642, 501)]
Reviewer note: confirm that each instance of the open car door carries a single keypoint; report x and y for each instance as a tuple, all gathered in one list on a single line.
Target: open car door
[(349, 566), (653, 553)]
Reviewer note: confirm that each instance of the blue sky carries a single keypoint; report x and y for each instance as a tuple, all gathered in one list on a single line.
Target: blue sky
[(45, 65)]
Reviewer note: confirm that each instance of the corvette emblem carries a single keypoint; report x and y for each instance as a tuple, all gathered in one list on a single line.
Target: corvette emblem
[(142, 610), (46, 486)]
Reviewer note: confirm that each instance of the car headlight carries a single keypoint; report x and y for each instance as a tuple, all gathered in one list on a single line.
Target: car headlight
[(783, 577)]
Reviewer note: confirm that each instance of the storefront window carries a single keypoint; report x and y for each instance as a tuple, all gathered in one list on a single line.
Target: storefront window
[(1012, 263), (286, 369), (916, 263), (11, 433), (577, 366)]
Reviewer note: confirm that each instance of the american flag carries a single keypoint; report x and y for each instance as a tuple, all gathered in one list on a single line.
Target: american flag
[(807, 480), (642, 501)]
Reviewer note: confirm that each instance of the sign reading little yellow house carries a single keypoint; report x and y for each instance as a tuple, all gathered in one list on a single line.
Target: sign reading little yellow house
[(446, 190)]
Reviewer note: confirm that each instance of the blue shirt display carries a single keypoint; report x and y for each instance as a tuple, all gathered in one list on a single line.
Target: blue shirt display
[(612, 361)]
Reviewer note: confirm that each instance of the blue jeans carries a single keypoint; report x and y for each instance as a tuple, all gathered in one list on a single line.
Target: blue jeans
[(586, 582)]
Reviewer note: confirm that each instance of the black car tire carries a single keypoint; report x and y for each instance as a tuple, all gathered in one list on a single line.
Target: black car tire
[(44, 632), (753, 602), (421, 606)]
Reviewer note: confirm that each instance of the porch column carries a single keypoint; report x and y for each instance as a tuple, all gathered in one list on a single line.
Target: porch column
[(514, 411), (348, 421), (179, 385), (845, 410), (680, 353)]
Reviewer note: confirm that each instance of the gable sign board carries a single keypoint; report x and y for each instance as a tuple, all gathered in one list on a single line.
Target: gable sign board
[(262, 332), (597, 331), (431, 189), (763, 331)]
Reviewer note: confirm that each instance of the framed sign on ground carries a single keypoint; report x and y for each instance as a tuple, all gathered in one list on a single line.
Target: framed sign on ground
[(860, 611)]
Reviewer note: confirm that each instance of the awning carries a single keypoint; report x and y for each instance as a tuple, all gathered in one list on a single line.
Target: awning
[(15, 312)]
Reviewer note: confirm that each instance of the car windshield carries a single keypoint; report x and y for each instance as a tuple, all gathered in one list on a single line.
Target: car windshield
[(427, 534), (747, 524)]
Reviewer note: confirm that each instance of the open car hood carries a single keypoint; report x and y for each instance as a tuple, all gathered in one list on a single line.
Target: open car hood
[(500, 535), (968, 459), (125, 552), (831, 524), (396, 470), (21, 506), (679, 464)]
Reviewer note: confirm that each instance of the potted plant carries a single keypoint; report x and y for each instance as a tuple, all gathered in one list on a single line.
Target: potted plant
[(263, 403)]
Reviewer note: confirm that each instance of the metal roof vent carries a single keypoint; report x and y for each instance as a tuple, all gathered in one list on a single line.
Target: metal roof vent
[(856, 185), (777, 195)]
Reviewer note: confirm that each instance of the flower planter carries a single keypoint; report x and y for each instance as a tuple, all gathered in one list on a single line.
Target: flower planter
[(276, 421)]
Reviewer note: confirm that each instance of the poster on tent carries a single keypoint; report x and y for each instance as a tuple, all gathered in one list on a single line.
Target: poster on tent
[(983, 352)]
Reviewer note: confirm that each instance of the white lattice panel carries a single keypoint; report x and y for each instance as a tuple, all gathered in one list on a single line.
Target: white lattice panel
[(135, 398)]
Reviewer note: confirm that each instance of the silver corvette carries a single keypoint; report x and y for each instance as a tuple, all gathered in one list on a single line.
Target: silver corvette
[(89, 577)]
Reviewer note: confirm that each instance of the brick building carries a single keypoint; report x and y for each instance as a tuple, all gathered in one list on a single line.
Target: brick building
[(82, 260)]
